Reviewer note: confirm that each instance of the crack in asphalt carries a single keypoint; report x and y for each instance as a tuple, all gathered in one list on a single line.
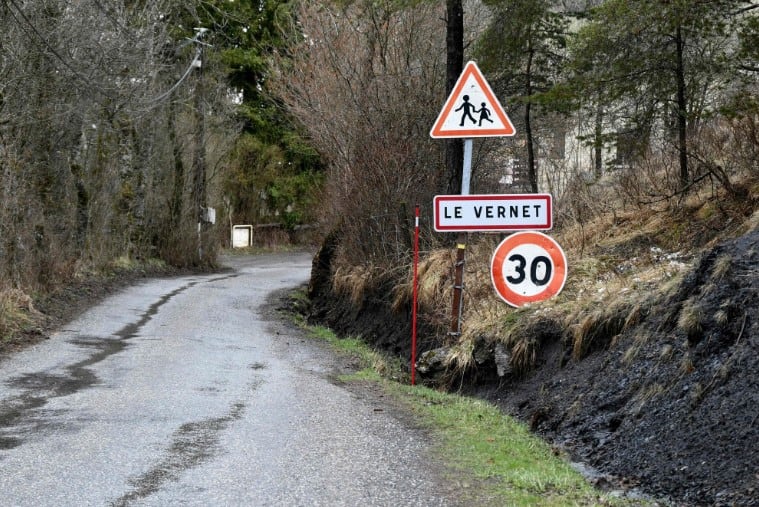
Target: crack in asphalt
[(40, 387), (193, 443)]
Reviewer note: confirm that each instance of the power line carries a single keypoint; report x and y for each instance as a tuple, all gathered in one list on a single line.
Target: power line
[(23, 21), (197, 59), (181, 79), (50, 48)]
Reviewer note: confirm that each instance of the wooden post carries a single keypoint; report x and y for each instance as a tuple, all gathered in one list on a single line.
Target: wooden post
[(458, 277)]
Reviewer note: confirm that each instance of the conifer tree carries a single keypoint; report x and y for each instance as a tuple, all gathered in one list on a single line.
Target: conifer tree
[(524, 49), (657, 63)]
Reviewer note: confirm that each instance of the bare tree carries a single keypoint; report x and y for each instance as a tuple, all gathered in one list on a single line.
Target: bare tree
[(366, 82), (97, 113)]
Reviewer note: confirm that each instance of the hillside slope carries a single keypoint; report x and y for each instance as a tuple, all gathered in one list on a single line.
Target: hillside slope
[(673, 404)]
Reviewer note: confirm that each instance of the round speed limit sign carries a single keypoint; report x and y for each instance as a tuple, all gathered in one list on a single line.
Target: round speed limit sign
[(528, 267)]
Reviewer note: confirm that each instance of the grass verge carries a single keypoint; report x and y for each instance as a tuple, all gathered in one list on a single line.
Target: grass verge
[(509, 465), (501, 460)]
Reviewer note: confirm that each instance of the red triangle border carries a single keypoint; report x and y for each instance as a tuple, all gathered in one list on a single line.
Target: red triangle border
[(471, 69)]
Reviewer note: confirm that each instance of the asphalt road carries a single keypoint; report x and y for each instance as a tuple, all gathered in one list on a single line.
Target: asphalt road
[(186, 391)]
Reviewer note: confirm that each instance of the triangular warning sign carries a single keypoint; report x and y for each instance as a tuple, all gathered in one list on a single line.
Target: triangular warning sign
[(472, 110)]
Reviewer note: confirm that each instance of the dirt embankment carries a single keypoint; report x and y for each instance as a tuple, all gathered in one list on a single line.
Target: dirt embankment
[(670, 404), (373, 319)]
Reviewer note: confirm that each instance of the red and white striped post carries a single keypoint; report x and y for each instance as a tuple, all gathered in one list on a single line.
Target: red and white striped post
[(415, 296)]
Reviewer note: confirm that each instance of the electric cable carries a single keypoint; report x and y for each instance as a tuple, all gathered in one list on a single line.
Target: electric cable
[(50, 48), (27, 26)]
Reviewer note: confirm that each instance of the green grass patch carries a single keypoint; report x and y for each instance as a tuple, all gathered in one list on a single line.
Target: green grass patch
[(498, 456), (372, 364), (511, 466)]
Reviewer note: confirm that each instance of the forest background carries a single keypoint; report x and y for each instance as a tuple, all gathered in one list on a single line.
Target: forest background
[(123, 123)]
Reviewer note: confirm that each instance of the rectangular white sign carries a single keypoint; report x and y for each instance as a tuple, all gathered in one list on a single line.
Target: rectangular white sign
[(499, 212), (242, 236)]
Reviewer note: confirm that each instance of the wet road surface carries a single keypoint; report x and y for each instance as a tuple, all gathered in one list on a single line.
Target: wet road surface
[(184, 391)]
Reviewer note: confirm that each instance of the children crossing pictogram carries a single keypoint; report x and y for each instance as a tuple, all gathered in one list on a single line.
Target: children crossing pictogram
[(457, 118), (484, 114), (468, 109)]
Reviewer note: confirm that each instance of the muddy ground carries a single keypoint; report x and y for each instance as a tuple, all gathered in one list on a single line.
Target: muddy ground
[(669, 406)]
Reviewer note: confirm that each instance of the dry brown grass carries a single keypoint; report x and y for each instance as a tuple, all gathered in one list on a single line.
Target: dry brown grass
[(16, 312), (353, 281), (721, 317), (435, 277), (604, 295), (632, 351), (460, 356), (524, 353), (645, 395), (666, 353), (620, 264), (435, 274), (690, 320), (721, 267)]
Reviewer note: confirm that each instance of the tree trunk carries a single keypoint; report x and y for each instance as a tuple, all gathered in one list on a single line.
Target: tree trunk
[(532, 171), (598, 143), (682, 109), (454, 148)]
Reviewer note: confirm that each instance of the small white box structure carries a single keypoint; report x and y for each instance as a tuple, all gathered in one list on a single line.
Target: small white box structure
[(242, 236)]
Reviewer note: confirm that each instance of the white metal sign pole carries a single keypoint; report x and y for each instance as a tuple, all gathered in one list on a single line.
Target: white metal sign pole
[(458, 278), (466, 176)]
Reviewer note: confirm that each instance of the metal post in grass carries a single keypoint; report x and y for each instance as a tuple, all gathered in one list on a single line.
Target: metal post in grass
[(415, 296)]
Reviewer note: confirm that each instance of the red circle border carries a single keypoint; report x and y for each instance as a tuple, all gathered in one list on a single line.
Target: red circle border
[(558, 258)]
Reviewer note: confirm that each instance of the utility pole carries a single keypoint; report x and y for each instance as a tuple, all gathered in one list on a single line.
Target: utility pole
[(454, 42), (199, 158)]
